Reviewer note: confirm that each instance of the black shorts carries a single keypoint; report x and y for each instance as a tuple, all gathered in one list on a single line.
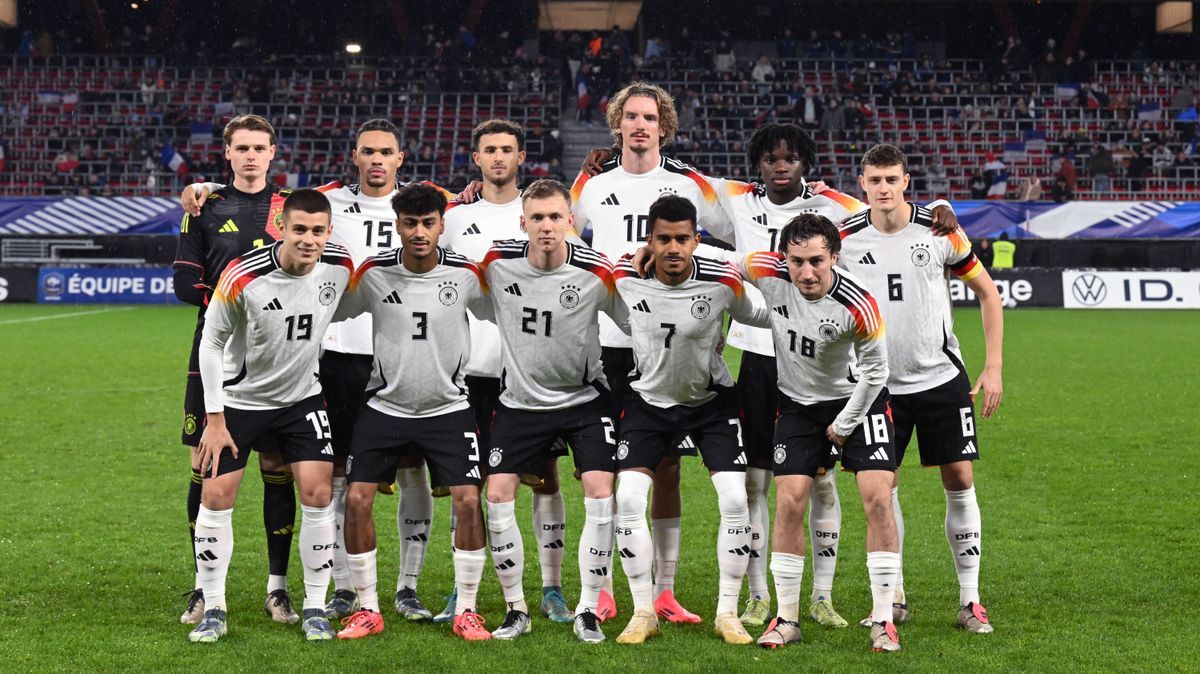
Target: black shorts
[(618, 364), (801, 447), (300, 431), (649, 433), (483, 393), (522, 440), (194, 418), (449, 443), (944, 418), (758, 393), (344, 379)]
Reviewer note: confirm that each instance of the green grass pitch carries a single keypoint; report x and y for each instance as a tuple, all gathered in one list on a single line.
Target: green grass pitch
[(1088, 497)]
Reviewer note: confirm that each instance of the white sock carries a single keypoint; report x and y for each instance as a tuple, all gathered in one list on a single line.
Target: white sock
[(899, 517), (789, 574), (468, 571), (341, 571), (214, 546), (824, 530), (964, 531), (276, 583), (733, 538), (595, 551), (318, 531), (666, 533), (364, 579), (884, 570), (414, 522), (758, 485), (633, 537), (549, 527), (508, 552)]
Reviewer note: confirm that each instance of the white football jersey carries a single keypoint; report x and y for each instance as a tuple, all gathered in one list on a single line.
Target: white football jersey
[(549, 325), (825, 349), (907, 272), (471, 229), (675, 330), (422, 338), (614, 206), (365, 226), (269, 324), (757, 222)]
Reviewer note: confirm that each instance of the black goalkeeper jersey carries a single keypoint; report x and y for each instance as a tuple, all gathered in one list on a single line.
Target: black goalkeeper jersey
[(230, 224)]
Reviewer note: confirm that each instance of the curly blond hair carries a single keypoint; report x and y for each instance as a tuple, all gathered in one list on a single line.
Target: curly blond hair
[(668, 119)]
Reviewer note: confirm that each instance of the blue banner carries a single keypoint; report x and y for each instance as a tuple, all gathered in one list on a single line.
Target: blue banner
[(143, 285)]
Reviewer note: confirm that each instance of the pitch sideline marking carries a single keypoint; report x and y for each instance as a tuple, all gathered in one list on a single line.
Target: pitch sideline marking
[(69, 315)]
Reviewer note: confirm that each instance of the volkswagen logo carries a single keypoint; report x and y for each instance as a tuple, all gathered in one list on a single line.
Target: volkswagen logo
[(1089, 289)]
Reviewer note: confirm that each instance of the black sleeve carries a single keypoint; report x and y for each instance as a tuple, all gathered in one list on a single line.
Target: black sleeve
[(190, 284)]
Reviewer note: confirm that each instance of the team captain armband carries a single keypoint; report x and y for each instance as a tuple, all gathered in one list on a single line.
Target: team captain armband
[(968, 267)]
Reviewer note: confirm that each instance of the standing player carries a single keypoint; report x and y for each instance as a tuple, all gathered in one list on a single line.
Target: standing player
[(233, 221), (419, 295), (471, 228), (832, 362), (681, 387), (890, 247), (270, 308), (364, 221), (614, 205), (548, 294)]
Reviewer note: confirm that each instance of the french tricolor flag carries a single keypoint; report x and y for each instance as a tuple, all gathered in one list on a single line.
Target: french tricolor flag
[(174, 161)]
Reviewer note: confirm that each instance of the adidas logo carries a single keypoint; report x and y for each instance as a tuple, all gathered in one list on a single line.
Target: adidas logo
[(611, 200), (970, 448), (286, 531), (642, 306), (687, 443), (328, 451), (473, 229), (740, 460), (740, 552), (474, 472), (782, 311), (513, 289), (554, 545), (392, 298), (760, 219), (972, 551), (827, 552), (274, 305), (626, 553), (417, 538), (354, 208), (602, 571), (326, 565), (867, 259), (754, 554), (506, 564), (207, 556), (879, 455), (228, 228)]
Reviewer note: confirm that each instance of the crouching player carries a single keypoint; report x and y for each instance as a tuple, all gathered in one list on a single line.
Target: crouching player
[(262, 337), (832, 358), (418, 296)]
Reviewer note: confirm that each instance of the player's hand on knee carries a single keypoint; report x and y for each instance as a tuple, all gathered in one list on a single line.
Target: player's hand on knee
[(944, 220), (192, 200), (215, 438), (991, 383)]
